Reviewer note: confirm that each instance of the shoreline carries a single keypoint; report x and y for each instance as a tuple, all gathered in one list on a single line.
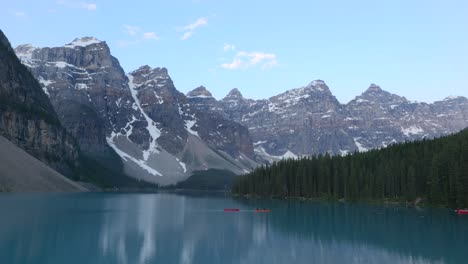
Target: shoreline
[(419, 203)]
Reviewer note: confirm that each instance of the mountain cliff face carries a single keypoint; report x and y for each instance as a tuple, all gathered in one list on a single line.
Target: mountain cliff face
[(216, 128), (88, 89), (194, 138), (28, 119), (141, 116), (378, 118), (309, 120), (300, 121)]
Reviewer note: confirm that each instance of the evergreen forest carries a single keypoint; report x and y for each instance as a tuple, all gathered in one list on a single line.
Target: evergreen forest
[(435, 171)]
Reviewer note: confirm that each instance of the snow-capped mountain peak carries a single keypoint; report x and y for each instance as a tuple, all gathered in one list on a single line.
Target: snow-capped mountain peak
[(317, 84), (83, 42), (25, 51), (453, 97)]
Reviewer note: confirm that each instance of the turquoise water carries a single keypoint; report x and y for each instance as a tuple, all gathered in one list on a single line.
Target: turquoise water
[(170, 228)]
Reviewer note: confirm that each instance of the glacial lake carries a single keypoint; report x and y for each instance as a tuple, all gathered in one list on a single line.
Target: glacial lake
[(172, 228)]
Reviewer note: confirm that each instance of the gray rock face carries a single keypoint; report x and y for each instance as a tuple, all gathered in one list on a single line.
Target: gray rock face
[(27, 117), (200, 92), (301, 121), (215, 126), (310, 120), (141, 116), (378, 118), (202, 100), (88, 89), (159, 99), (177, 115)]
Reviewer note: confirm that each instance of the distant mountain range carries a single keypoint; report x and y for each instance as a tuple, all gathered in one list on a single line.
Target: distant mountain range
[(163, 136), (310, 120)]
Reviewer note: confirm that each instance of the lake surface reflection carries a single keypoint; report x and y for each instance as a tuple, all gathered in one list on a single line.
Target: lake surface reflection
[(170, 228)]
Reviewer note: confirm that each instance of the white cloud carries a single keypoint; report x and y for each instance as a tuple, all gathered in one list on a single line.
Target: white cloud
[(90, 7), (131, 30), (228, 47), (75, 4), (19, 14), (137, 36), (150, 35), (244, 60), (126, 43), (190, 28), (186, 35), (200, 22), (237, 63)]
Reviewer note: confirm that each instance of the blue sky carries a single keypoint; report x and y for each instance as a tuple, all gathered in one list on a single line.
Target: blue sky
[(418, 49)]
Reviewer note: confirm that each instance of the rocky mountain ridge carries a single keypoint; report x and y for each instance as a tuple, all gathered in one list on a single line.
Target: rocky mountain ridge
[(310, 120), (159, 135)]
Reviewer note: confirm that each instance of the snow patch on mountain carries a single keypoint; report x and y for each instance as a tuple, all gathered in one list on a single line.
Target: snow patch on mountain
[(263, 153), (293, 97), (183, 165), (154, 132), (24, 52), (259, 142), (83, 42), (200, 96), (288, 155), (129, 127), (317, 85), (81, 86), (359, 145), (127, 157), (159, 98), (45, 83), (412, 130), (344, 152), (189, 124), (60, 64), (451, 97)]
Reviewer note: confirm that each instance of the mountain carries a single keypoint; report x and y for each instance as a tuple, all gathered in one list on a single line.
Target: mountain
[(28, 119), (377, 118), (88, 88), (155, 130), (310, 120), (300, 121)]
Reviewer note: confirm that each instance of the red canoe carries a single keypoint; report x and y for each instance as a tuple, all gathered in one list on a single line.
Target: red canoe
[(462, 211), (262, 210), (231, 209)]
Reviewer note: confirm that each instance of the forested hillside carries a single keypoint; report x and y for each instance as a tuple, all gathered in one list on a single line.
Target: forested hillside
[(435, 170)]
